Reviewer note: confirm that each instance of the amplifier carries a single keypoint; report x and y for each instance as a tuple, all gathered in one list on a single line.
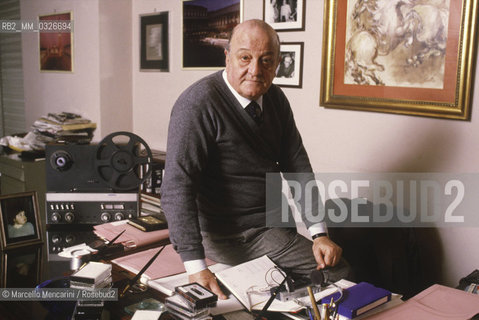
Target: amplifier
[(62, 237), (90, 208)]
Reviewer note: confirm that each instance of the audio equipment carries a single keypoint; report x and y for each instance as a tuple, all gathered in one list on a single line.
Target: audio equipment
[(113, 165), (90, 208), (61, 238), (96, 183)]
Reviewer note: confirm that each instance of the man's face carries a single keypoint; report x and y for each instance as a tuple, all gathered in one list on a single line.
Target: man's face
[(251, 61), (287, 61)]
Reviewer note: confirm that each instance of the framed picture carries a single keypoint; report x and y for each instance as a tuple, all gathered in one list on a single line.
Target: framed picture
[(400, 57), (290, 69), (154, 42), (22, 267), (19, 220), (207, 25), (285, 15), (56, 49)]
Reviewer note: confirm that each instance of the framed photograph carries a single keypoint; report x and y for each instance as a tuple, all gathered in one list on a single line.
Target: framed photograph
[(290, 69), (402, 57), (207, 25), (154, 42), (56, 49), (19, 220), (22, 268), (285, 15)]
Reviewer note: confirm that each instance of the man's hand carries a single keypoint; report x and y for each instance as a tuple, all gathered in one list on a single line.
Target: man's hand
[(208, 280), (326, 252)]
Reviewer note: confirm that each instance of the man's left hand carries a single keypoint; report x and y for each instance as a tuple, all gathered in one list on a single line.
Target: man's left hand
[(326, 252)]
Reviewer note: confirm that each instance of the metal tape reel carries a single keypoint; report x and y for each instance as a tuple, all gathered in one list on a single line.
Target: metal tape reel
[(123, 165)]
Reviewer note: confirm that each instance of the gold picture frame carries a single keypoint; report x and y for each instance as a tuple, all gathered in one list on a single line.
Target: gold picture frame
[(425, 68)]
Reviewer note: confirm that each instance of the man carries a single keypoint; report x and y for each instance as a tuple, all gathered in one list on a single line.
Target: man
[(286, 67), (218, 153)]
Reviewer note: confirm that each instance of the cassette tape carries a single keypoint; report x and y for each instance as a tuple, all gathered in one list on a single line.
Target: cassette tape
[(197, 296)]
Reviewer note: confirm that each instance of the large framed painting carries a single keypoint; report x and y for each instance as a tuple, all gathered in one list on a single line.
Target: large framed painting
[(285, 15), (207, 25), (56, 44), (154, 42), (403, 57)]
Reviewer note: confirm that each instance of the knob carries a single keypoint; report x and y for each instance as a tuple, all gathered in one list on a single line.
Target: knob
[(56, 217), (105, 217), (56, 238), (69, 238), (69, 217), (119, 216)]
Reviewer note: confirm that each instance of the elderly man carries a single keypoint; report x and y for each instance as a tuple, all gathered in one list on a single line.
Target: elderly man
[(226, 132)]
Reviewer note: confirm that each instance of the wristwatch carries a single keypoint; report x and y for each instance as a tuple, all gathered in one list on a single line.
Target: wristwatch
[(319, 235)]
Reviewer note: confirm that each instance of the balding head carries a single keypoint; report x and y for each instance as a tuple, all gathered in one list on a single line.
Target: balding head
[(252, 57), (253, 24)]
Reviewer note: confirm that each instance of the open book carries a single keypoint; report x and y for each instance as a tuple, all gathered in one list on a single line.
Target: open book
[(250, 282)]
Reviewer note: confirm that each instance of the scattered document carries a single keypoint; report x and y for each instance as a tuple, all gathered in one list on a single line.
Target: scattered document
[(435, 303)]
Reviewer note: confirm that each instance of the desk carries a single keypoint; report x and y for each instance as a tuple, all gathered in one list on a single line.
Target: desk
[(29, 266)]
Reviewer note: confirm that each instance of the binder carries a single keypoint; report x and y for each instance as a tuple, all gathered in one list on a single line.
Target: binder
[(359, 299)]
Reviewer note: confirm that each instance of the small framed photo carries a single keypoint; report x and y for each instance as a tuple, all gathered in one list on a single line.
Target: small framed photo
[(154, 42), (290, 69), (56, 48), (19, 220), (22, 268), (285, 15)]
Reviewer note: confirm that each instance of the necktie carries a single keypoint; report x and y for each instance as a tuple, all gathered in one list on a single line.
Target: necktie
[(254, 110)]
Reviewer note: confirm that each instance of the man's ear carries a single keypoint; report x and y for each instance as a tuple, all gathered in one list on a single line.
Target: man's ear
[(227, 57)]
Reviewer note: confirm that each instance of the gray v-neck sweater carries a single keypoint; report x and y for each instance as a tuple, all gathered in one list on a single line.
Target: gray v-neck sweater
[(217, 158)]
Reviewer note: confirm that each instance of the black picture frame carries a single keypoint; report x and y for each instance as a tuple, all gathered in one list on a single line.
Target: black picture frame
[(22, 267), (19, 220), (290, 69), (206, 26), (154, 52), (285, 15)]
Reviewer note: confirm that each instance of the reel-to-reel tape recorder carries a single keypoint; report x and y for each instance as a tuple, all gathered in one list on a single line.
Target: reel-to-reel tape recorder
[(96, 183)]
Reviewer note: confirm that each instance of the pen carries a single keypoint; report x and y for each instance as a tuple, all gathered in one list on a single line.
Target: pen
[(310, 314), (115, 238), (135, 279)]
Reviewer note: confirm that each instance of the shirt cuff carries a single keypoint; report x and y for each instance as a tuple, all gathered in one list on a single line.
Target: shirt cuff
[(317, 228), (194, 266)]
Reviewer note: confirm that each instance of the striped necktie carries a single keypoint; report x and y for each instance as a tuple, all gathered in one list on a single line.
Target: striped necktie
[(254, 110)]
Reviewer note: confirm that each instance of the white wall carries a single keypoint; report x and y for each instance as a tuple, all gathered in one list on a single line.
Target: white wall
[(337, 140), (100, 86), (78, 91)]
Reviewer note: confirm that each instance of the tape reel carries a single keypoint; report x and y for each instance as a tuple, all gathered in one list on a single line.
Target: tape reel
[(123, 161)]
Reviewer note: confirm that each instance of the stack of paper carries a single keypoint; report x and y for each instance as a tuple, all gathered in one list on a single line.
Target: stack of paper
[(65, 126)]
